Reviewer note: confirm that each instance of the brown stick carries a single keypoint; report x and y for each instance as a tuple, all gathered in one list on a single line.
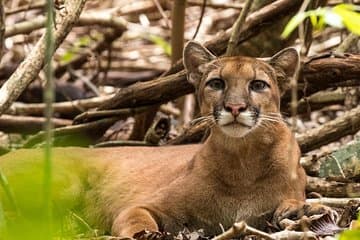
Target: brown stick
[(31, 66), (240, 228)]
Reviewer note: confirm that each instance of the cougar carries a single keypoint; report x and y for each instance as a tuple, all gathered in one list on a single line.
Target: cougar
[(247, 167)]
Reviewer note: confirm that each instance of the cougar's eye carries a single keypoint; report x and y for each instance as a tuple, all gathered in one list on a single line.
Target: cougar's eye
[(216, 84), (258, 85)]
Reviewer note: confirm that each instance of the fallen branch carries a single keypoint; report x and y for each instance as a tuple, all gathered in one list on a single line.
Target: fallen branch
[(153, 92), (318, 101), (93, 129), (332, 202), (332, 188), (68, 108), (28, 125), (71, 108), (121, 143), (331, 131), (31, 66), (86, 19), (86, 116), (32, 6)]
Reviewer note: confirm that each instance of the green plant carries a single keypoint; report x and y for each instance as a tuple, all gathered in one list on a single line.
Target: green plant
[(353, 234), (342, 15), (161, 42)]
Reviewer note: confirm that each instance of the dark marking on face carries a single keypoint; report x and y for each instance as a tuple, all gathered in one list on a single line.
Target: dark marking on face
[(256, 113), (216, 111)]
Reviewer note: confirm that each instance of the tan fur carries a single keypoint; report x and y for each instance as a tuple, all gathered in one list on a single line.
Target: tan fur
[(224, 180)]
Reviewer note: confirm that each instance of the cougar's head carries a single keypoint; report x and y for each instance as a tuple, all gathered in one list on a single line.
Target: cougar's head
[(239, 94)]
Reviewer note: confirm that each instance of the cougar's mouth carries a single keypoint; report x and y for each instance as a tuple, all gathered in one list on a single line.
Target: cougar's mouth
[(236, 126)]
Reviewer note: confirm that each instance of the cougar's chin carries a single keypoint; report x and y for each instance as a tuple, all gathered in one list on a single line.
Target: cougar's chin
[(236, 127), (235, 130)]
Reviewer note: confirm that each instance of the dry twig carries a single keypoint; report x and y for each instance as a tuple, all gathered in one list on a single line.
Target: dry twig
[(241, 228)]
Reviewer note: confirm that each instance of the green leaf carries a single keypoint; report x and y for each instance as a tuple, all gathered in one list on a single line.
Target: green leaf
[(333, 19), (314, 20), (350, 235), (83, 41), (321, 23), (293, 23), (67, 57), (350, 18), (161, 42)]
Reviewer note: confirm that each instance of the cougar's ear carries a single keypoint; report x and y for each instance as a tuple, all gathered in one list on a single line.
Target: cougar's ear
[(286, 63), (195, 55)]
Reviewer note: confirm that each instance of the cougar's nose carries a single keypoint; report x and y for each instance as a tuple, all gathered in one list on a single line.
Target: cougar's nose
[(235, 109)]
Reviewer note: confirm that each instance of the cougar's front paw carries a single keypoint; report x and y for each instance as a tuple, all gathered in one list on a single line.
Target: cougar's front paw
[(294, 209)]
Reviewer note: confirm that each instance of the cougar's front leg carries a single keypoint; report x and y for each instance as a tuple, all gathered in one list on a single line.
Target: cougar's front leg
[(294, 209), (133, 220)]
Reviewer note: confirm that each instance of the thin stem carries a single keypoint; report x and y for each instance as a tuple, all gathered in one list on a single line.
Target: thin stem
[(235, 35), (48, 99)]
